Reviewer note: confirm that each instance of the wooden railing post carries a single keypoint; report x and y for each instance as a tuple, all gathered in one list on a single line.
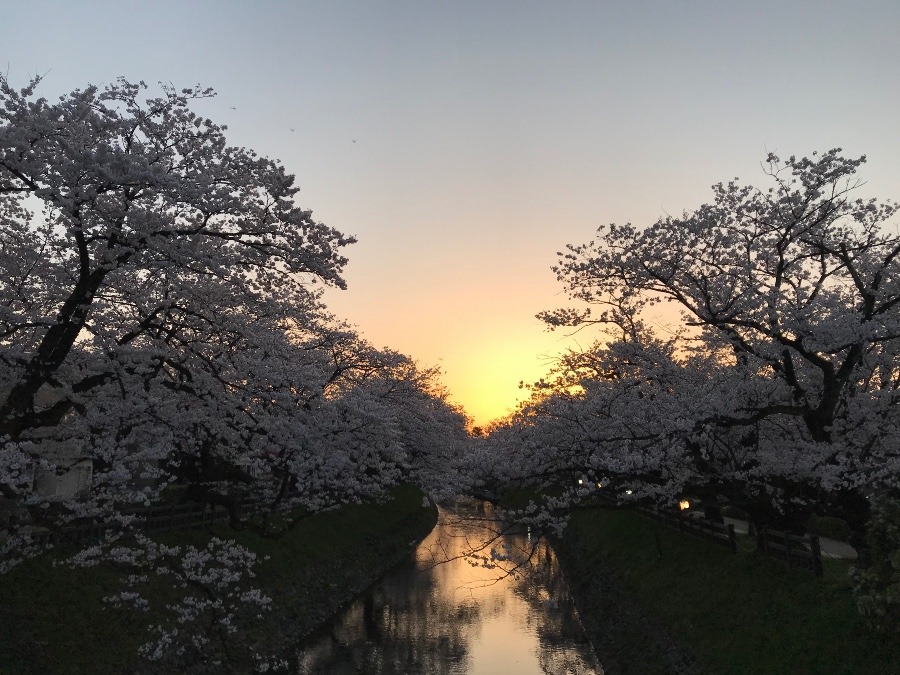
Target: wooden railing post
[(863, 559), (816, 554)]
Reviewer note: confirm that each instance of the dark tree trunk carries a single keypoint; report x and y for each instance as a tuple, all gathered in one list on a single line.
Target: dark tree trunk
[(17, 412)]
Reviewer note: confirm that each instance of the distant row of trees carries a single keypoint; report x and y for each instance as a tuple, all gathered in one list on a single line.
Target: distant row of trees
[(162, 331), (777, 391)]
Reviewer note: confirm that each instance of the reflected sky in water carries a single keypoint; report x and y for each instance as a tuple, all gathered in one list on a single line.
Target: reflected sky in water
[(445, 612)]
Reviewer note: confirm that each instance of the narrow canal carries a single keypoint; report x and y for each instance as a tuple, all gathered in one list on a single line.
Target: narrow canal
[(444, 612)]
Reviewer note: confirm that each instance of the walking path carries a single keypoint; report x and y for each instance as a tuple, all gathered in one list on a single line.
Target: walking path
[(830, 548)]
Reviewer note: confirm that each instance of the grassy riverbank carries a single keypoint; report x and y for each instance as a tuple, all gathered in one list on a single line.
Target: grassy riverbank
[(53, 619), (736, 613)]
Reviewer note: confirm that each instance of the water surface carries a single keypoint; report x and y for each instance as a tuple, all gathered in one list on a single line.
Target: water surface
[(445, 612)]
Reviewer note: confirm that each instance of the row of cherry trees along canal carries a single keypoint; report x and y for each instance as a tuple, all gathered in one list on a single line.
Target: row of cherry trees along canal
[(777, 389), (162, 326)]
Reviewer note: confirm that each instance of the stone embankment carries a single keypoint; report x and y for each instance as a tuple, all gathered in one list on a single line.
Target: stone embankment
[(319, 590), (341, 582)]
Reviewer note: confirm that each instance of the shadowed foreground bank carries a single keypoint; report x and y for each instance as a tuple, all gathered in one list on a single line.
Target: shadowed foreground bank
[(626, 637), (53, 619), (653, 600)]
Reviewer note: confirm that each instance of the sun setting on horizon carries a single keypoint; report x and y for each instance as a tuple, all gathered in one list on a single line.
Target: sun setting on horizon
[(465, 145)]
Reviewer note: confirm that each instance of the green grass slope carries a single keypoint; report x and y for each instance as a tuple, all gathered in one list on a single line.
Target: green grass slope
[(53, 619), (737, 613)]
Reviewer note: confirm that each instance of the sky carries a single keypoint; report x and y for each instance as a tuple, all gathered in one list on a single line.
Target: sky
[(465, 143)]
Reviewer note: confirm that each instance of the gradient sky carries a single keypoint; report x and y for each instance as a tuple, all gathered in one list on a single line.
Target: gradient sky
[(488, 135)]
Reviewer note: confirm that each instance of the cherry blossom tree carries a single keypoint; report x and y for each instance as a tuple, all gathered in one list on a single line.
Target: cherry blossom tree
[(139, 199), (609, 422), (144, 255), (789, 298), (162, 324)]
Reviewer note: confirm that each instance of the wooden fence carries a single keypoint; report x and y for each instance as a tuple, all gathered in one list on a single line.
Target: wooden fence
[(801, 552), (796, 551), (151, 520), (180, 517), (718, 533)]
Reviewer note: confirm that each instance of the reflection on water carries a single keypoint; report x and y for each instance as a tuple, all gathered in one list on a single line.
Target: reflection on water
[(444, 613)]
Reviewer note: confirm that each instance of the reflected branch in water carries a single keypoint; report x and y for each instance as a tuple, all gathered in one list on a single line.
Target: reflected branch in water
[(446, 612), (488, 541)]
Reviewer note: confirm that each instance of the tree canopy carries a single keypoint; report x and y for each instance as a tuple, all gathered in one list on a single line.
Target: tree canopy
[(162, 326), (780, 382)]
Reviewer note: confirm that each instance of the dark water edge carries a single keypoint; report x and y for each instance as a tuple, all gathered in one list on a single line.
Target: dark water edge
[(626, 639), (338, 584), (319, 592)]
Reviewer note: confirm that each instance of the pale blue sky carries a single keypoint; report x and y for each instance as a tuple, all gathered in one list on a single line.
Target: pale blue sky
[(490, 134)]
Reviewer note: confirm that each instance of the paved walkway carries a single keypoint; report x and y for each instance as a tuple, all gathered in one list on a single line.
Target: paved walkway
[(830, 547)]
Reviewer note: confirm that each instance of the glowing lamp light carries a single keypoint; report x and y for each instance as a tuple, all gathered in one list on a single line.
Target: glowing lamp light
[(684, 505), (581, 481), (599, 485)]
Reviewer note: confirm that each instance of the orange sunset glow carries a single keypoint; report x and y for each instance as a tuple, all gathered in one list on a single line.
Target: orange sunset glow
[(464, 144)]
